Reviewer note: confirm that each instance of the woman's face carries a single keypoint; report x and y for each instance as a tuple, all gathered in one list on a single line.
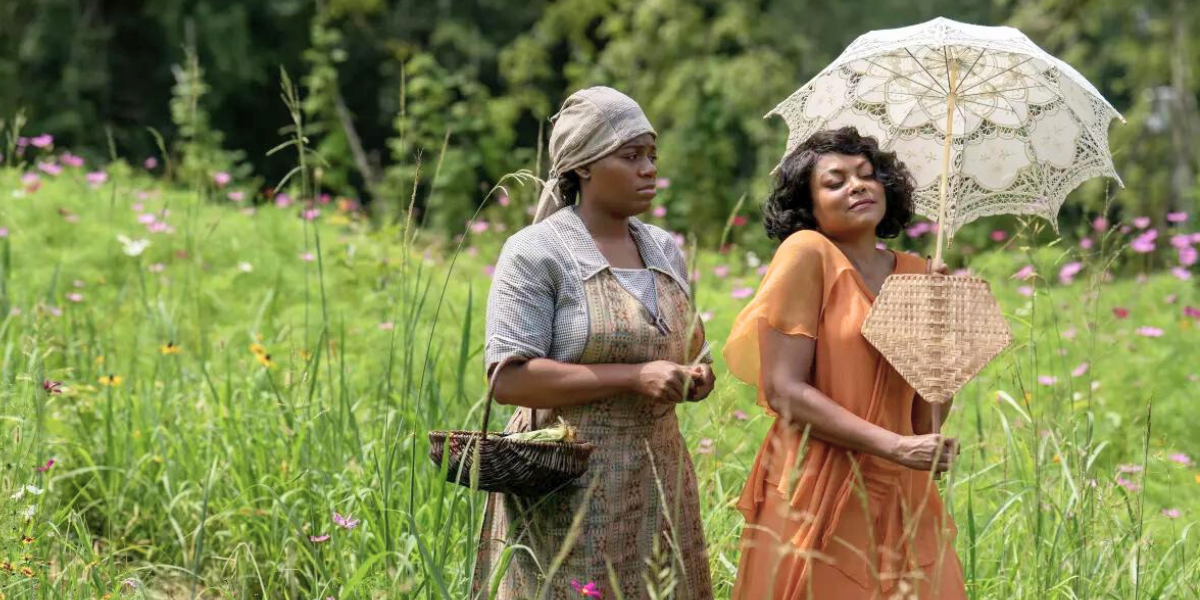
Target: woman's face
[(623, 183), (848, 200)]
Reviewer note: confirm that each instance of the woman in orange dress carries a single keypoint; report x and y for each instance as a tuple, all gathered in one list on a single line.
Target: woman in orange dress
[(840, 503)]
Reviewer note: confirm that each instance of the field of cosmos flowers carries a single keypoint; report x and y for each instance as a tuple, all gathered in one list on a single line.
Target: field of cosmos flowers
[(208, 392)]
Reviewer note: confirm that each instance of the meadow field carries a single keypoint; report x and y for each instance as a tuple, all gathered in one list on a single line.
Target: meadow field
[(205, 396)]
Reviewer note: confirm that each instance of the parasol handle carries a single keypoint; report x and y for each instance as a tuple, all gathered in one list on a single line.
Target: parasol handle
[(951, 96)]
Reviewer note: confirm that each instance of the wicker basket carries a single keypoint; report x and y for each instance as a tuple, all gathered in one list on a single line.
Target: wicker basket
[(938, 331), (522, 468)]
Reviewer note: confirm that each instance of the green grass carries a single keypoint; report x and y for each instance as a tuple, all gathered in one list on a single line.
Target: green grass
[(203, 473)]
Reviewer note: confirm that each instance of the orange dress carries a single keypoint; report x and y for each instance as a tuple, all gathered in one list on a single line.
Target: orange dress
[(822, 521)]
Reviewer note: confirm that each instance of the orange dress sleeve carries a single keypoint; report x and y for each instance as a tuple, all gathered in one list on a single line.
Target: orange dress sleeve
[(789, 300)]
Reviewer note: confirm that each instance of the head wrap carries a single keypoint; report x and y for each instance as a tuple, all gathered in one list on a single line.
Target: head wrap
[(591, 124)]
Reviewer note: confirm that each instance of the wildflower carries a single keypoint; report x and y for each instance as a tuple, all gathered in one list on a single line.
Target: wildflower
[(1176, 217), (307, 257), (1120, 313), (739, 221), (236, 196), (1047, 379), (479, 226), (1080, 370), (502, 200), (1129, 485), (1025, 291), (75, 297), (96, 178), (26, 540), (1129, 468), (1067, 274), (721, 271), (52, 387), (310, 214), (1144, 243), (587, 590), (740, 415), (133, 247), (49, 168), (258, 349), (1180, 458), (26, 571), (662, 183), (111, 380), (41, 141), (1181, 273), (1149, 331), (739, 293), (659, 212), (46, 467), (71, 160), (319, 539), (1086, 243), (1025, 273), (1141, 222), (345, 522), (706, 446), (999, 235), (265, 360), (221, 178), (1171, 513), (169, 348)]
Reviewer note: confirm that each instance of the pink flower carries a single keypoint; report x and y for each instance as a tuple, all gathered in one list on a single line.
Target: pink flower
[(1141, 222), (489, 270), (1129, 485), (51, 387), (96, 178), (221, 178), (159, 227), (721, 271), (999, 235), (31, 181), (1100, 225), (1196, 238), (345, 522), (3, 232), (739, 293), (146, 218), (1181, 240), (663, 183), (42, 141), (1176, 217), (319, 539), (1086, 243), (740, 415), (308, 257), (761, 270), (479, 226), (49, 463), (283, 200), (157, 268), (705, 446), (740, 220), (1191, 311), (1171, 513), (659, 212), (324, 199), (1181, 458), (1025, 291), (1080, 370), (49, 168), (587, 590), (1181, 273), (387, 326), (919, 229), (1067, 274), (1069, 333), (75, 297), (1047, 379), (310, 214), (503, 200), (236, 196), (1120, 313), (1129, 469), (1187, 256), (71, 160), (1026, 272), (1144, 243), (706, 316), (1149, 331), (150, 163)]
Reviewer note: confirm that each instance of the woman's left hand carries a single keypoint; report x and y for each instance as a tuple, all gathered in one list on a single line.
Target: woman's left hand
[(703, 381)]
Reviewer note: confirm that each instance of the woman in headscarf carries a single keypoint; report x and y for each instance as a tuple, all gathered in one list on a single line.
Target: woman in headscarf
[(840, 501), (590, 319)]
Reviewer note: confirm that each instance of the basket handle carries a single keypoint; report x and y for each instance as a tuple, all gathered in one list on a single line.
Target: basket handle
[(491, 394)]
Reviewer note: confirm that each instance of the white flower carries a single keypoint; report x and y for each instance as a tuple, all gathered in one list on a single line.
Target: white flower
[(133, 247), (752, 260), (28, 512), (32, 489), (20, 494), (245, 267)]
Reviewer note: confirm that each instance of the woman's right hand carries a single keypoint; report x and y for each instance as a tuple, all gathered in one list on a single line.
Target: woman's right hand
[(661, 381), (919, 452)]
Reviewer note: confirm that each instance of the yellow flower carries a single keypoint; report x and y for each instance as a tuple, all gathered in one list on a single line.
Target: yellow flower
[(1057, 459), (170, 348), (265, 360), (305, 355), (111, 380), (26, 540), (26, 571), (258, 349), (100, 359), (6, 566), (1197, 477)]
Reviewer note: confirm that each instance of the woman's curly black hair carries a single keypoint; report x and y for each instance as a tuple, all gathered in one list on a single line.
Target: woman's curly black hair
[(790, 206)]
